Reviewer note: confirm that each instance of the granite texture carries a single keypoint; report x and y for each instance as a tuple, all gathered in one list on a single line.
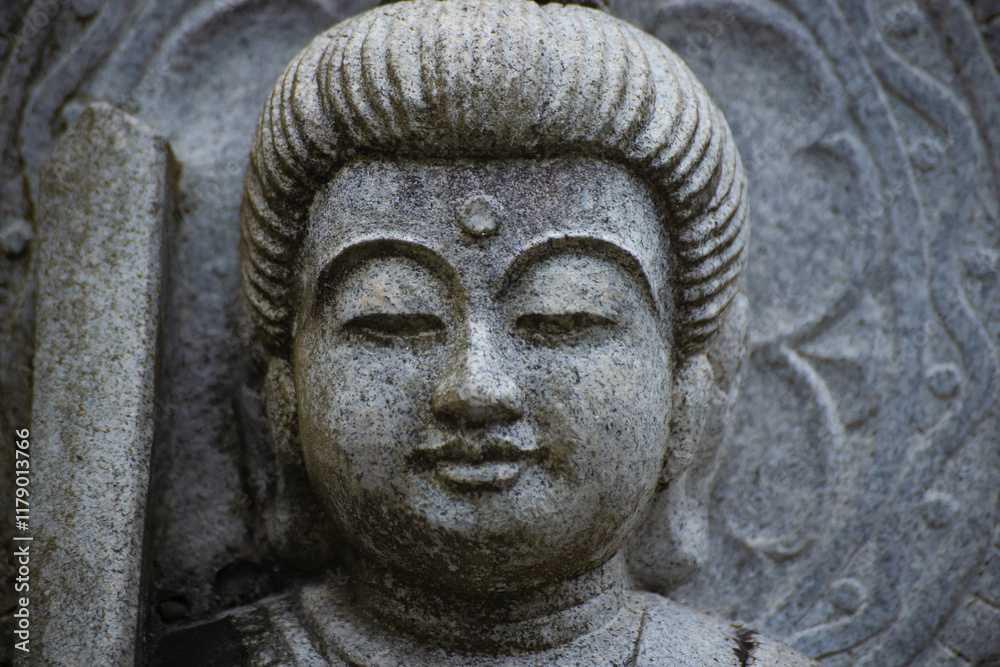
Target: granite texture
[(855, 512), (103, 244)]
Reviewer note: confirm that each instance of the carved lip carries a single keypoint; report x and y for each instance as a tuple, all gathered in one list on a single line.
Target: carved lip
[(489, 464), (491, 476)]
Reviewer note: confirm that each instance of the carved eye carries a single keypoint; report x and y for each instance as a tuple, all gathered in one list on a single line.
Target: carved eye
[(389, 328), (562, 328)]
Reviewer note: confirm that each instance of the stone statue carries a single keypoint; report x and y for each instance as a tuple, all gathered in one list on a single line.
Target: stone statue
[(460, 222), (492, 256)]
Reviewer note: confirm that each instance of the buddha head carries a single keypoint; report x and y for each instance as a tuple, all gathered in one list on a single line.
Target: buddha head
[(492, 258)]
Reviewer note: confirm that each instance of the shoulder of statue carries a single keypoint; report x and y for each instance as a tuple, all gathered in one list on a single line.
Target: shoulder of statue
[(269, 633), (769, 652), (675, 634)]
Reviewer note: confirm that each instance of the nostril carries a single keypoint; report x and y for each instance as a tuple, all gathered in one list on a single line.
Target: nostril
[(478, 399)]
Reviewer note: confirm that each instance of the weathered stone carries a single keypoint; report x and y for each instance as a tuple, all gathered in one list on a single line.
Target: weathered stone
[(104, 234), (869, 130)]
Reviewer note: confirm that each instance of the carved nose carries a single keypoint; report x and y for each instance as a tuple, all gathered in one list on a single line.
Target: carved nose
[(475, 389)]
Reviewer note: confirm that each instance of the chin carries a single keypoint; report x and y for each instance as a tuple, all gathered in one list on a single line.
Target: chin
[(496, 563)]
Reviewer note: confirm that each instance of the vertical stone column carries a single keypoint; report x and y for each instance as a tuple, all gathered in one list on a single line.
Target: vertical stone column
[(104, 232)]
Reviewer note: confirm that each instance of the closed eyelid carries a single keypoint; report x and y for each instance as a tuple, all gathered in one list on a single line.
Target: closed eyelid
[(390, 327), (556, 322)]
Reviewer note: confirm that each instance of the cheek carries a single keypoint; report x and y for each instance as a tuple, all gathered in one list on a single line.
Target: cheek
[(606, 414), (361, 410)]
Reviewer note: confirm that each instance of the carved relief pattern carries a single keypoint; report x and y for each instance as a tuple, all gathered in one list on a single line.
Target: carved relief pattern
[(855, 514), (859, 501)]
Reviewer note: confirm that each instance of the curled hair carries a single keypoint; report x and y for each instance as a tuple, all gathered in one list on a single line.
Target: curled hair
[(498, 79)]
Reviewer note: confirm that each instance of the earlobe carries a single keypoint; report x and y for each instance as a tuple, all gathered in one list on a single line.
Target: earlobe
[(692, 382), (671, 544)]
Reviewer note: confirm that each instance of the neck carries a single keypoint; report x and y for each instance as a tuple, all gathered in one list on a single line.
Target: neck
[(529, 620)]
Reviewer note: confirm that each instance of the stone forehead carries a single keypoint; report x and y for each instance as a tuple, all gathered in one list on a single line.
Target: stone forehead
[(536, 203)]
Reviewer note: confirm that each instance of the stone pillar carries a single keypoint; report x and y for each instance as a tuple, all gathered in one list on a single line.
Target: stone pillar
[(104, 233)]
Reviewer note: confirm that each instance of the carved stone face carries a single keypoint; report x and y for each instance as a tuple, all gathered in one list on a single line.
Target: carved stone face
[(482, 364)]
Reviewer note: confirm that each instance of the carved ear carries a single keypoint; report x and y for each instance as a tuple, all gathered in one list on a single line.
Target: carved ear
[(671, 544), (692, 382), (282, 414), (290, 519)]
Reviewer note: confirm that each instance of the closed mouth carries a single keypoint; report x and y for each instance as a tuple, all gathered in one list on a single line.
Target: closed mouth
[(490, 464)]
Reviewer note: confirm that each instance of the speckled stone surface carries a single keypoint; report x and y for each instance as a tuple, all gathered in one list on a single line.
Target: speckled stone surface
[(854, 515), (107, 198)]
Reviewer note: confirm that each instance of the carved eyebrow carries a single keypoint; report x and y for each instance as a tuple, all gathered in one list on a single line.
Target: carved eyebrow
[(353, 254), (588, 244)]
